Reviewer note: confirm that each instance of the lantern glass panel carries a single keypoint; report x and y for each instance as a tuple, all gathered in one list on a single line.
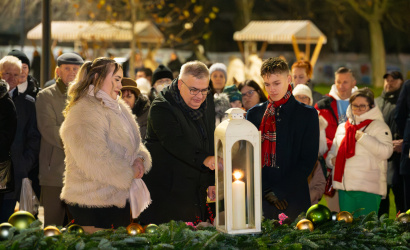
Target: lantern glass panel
[(220, 179), (243, 185)]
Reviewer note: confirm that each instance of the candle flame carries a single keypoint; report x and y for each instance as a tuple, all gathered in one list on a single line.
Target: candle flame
[(237, 175)]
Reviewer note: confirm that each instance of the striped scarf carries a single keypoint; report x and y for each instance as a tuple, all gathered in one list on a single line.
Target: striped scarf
[(268, 130)]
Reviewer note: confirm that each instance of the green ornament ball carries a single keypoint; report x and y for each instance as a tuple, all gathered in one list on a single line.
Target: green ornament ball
[(5, 230), (21, 219), (151, 228), (75, 229), (318, 214), (408, 211)]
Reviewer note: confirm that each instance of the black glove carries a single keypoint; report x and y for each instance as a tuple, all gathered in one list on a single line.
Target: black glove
[(279, 204)]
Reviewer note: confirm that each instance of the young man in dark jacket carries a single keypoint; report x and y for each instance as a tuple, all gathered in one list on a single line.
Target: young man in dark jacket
[(290, 143)]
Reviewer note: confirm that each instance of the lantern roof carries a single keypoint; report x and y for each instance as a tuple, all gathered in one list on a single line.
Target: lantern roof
[(236, 125)]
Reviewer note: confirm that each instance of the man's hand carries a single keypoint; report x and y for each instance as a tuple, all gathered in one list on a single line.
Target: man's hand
[(138, 168), (211, 193), (279, 204), (210, 162), (397, 145)]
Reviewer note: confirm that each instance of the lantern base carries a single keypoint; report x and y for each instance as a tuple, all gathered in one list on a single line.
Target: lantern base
[(238, 231)]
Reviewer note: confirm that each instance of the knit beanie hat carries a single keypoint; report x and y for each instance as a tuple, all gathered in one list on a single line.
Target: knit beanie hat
[(20, 55), (161, 72), (233, 93), (218, 67), (302, 89)]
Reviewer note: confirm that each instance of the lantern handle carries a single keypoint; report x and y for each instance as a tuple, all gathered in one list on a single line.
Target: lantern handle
[(235, 113)]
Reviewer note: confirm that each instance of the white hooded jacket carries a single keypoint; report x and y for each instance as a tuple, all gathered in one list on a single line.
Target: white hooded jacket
[(366, 170)]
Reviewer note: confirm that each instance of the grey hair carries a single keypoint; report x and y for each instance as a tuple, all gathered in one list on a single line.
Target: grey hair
[(8, 61), (196, 69)]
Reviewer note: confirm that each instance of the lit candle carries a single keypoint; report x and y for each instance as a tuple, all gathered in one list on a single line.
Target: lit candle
[(238, 202)]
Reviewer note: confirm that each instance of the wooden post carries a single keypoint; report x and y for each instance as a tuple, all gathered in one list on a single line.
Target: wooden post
[(263, 49), (296, 48), (240, 45), (307, 47), (318, 47)]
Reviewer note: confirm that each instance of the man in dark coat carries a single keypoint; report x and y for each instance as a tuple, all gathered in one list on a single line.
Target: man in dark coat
[(290, 143), (26, 145), (387, 104), (180, 138), (27, 84), (8, 123), (402, 118)]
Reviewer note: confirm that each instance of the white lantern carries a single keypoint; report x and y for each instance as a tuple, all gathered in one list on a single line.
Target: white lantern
[(238, 175)]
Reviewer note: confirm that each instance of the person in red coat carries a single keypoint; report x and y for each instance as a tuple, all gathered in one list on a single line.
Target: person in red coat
[(333, 108)]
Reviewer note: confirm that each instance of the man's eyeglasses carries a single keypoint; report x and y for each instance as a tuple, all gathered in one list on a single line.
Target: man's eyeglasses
[(195, 91), (249, 93), (359, 107)]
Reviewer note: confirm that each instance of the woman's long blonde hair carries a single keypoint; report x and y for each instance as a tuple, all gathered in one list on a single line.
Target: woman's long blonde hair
[(91, 73)]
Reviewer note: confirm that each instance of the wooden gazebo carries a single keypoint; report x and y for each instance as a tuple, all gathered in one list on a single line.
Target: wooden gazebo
[(281, 32)]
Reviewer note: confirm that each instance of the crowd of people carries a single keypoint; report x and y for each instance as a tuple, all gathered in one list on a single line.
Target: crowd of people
[(93, 140)]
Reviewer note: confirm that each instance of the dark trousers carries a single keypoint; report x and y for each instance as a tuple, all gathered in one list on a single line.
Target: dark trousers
[(107, 217), (6, 208), (406, 184), (398, 191)]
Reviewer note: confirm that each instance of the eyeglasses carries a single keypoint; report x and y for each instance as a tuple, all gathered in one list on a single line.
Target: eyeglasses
[(359, 107), (301, 97), (195, 91), (249, 93)]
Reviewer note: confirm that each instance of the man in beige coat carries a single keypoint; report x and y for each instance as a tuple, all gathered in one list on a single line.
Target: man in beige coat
[(49, 106)]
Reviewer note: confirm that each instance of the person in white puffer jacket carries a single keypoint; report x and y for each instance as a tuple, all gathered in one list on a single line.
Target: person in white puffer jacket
[(359, 155)]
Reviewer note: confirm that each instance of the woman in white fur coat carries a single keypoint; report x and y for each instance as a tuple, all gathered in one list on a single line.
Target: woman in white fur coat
[(359, 155), (103, 148)]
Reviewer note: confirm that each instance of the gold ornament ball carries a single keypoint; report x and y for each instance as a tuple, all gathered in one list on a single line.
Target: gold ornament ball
[(75, 229), (305, 224), (5, 230), (21, 219), (408, 211), (151, 228), (51, 231), (346, 216), (134, 229), (404, 218)]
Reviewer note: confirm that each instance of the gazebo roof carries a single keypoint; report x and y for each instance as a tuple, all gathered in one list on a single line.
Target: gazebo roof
[(70, 31), (280, 32)]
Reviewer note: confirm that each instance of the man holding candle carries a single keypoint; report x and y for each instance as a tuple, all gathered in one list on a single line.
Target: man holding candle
[(180, 138), (290, 143)]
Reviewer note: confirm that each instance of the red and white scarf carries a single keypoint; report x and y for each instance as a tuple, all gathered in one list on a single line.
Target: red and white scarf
[(268, 130), (347, 148)]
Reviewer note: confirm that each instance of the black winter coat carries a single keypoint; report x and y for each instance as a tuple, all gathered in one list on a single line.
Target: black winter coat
[(178, 180), (402, 118), (297, 146), (387, 104), (140, 110), (8, 123), (26, 146), (33, 87)]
